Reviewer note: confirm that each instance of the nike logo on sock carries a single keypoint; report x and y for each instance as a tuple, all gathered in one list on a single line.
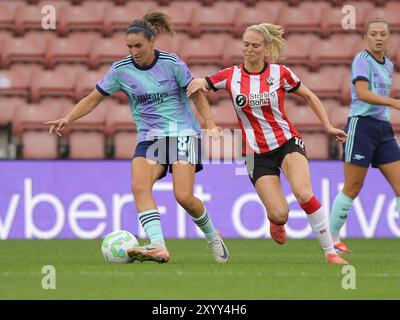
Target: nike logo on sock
[(343, 217)]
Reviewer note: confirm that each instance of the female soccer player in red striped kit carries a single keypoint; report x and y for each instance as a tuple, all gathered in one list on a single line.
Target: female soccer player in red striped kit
[(257, 90)]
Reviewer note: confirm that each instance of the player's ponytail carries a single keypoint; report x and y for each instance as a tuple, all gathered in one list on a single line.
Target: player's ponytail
[(152, 24), (273, 37)]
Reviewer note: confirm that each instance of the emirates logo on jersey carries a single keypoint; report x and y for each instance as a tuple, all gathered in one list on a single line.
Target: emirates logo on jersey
[(241, 100)]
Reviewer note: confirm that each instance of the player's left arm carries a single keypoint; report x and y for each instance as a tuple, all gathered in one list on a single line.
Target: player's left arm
[(203, 107), (319, 110)]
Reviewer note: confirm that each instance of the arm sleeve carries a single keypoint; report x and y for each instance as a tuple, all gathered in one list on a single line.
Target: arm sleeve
[(109, 84), (182, 73), (218, 80), (290, 81), (360, 69)]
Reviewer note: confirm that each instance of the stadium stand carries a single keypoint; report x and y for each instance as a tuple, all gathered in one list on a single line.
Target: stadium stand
[(33, 139), (86, 137), (218, 18), (121, 131), (260, 13)]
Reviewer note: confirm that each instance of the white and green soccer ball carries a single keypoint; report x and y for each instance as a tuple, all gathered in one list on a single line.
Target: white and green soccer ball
[(115, 245)]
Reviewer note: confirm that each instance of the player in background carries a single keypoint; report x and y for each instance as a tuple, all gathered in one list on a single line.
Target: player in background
[(370, 135), (168, 132), (271, 142)]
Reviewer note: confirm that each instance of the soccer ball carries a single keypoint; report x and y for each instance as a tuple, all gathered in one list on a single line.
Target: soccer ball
[(115, 245)]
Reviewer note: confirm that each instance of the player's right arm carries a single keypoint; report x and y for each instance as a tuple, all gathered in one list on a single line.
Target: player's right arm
[(106, 86), (368, 96), (85, 106)]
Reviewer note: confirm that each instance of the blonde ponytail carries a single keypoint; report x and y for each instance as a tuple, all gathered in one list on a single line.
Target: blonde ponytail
[(273, 37)]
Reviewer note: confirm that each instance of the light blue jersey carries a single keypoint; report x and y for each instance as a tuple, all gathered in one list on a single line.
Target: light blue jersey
[(379, 76), (156, 93)]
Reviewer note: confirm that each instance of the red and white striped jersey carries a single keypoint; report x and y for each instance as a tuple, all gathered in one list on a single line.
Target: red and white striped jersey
[(258, 102)]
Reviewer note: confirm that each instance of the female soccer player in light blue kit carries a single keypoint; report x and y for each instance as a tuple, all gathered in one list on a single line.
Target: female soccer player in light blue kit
[(168, 132), (370, 135)]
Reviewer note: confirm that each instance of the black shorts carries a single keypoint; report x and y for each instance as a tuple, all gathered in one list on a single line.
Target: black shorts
[(168, 150), (268, 164)]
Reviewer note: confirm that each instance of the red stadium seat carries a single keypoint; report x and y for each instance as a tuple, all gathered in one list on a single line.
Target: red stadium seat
[(312, 131), (124, 144), (86, 145), (331, 21), (7, 108), (181, 13), (32, 135), (326, 51), (262, 12), (7, 14), (122, 131), (118, 118), (32, 117), (396, 85), (394, 50), (218, 18), (107, 51), (390, 13), (86, 138), (317, 145), (327, 83), (346, 87), (15, 82), (298, 49), (339, 117), (74, 49), (52, 83), (304, 118), (339, 120), (395, 119), (205, 50), (232, 53), (225, 115), (56, 102), (304, 18), (359, 46), (119, 18), (86, 17), (39, 145), (167, 43), (30, 17), (30, 48), (86, 82)]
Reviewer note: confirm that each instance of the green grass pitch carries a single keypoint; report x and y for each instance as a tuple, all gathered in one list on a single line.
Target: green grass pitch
[(258, 269)]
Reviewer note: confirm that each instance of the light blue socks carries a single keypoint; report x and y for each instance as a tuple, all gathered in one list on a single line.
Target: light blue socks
[(205, 224), (339, 212), (150, 221)]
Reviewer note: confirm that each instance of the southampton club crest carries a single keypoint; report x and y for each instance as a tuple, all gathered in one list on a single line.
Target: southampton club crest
[(270, 80)]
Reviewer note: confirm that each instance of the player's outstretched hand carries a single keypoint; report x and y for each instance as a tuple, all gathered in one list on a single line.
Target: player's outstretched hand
[(213, 130), (57, 125), (195, 85), (339, 134)]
